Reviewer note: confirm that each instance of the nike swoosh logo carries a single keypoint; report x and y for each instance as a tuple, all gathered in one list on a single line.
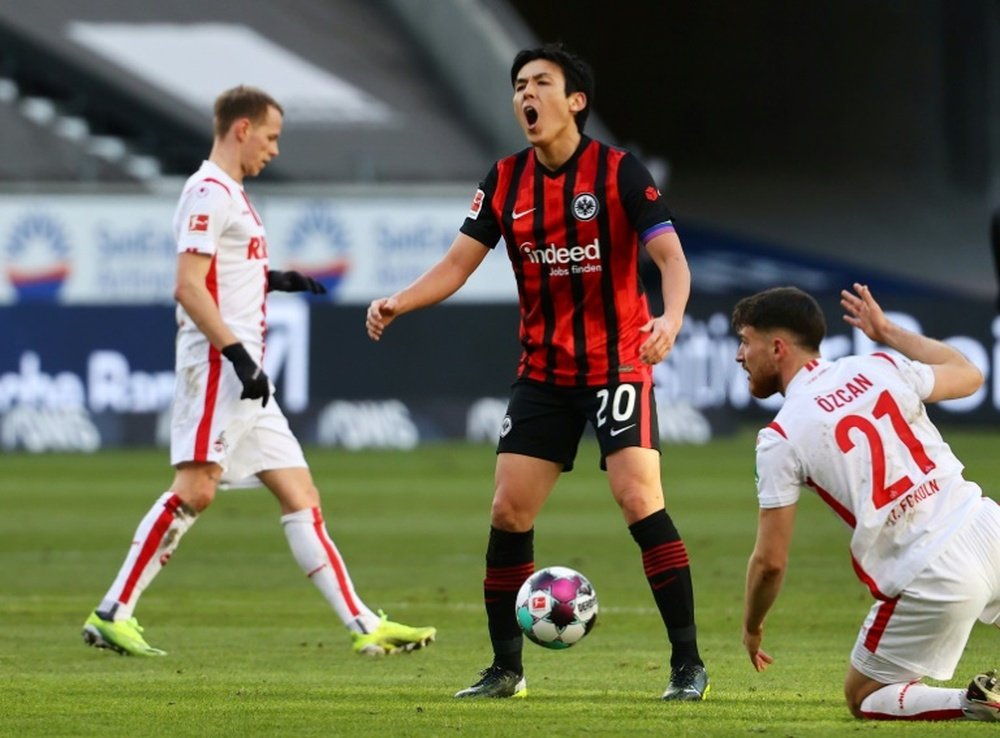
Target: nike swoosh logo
[(515, 215), (619, 431), (316, 570), (661, 585)]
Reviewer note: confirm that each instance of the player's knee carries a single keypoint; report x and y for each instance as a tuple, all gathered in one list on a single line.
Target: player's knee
[(309, 497), (197, 497), (638, 501), (196, 485), (630, 498), (504, 515), (854, 699)]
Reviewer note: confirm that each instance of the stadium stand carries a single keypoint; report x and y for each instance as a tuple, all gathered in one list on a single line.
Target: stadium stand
[(108, 91), (35, 153), (132, 69)]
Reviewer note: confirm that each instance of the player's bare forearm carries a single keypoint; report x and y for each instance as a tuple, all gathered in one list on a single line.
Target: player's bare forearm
[(675, 281), (435, 285), (205, 314), (864, 313), (675, 276), (765, 574), (954, 375), (192, 294), (762, 588), (763, 585), (445, 278), (438, 283)]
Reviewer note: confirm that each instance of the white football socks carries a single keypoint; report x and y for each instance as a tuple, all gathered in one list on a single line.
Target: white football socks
[(913, 701), (318, 557), (155, 540)]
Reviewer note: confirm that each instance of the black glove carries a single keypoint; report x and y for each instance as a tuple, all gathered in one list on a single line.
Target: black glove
[(255, 383), (292, 282)]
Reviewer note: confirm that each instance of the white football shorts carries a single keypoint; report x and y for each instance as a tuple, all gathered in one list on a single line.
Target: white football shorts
[(211, 423), (924, 631)]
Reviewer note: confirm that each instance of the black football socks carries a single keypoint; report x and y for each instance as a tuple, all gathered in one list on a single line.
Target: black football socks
[(665, 562), (510, 559)]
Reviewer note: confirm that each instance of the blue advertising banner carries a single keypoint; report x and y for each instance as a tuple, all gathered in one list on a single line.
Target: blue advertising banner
[(83, 378)]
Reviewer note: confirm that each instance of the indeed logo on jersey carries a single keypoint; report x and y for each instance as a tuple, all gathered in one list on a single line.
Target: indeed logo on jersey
[(579, 259)]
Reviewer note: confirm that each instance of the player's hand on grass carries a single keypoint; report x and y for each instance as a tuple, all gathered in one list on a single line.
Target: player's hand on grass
[(255, 382), (292, 281), (864, 313), (381, 312), (758, 658), (661, 340)]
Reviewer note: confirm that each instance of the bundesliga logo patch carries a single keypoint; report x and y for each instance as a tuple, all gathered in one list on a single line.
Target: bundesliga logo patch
[(477, 204), (198, 223)]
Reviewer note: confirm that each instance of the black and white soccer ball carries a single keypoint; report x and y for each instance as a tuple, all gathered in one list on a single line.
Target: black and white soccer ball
[(556, 607)]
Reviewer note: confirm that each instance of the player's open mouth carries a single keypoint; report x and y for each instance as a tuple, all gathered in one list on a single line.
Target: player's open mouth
[(530, 116)]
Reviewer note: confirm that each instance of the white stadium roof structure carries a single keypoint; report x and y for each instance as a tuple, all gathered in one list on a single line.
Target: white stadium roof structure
[(113, 90)]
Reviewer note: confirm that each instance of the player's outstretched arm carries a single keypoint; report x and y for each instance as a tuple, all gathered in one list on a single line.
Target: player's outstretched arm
[(954, 375), (438, 283)]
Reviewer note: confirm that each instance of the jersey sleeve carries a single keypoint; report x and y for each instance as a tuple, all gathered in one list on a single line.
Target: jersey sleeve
[(918, 375), (779, 473), (643, 202), (481, 221), (202, 216)]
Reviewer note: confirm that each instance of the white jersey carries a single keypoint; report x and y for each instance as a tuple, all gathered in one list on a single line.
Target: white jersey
[(857, 432), (215, 217)]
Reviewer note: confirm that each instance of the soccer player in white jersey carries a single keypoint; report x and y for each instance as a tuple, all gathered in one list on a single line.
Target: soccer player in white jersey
[(226, 427), (925, 541)]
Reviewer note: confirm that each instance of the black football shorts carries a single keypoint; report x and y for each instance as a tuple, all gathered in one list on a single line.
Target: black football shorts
[(547, 422)]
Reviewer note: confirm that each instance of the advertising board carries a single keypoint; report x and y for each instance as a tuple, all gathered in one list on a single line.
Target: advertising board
[(87, 377)]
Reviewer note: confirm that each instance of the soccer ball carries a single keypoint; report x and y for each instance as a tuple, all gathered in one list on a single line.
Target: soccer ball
[(556, 607)]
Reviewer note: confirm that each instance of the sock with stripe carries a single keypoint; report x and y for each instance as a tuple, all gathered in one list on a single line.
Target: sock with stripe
[(510, 559), (319, 558), (155, 541), (913, 701), (665, 562)]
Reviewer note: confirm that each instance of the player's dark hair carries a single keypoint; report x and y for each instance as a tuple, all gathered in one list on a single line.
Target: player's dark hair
[(578, 74), (242, 102), (783, 307)]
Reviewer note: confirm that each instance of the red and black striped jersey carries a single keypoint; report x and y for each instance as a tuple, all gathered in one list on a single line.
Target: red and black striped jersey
[(573, 238)]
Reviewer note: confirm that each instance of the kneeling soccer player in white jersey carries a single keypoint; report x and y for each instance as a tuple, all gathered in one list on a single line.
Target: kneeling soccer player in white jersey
[(925, 541)]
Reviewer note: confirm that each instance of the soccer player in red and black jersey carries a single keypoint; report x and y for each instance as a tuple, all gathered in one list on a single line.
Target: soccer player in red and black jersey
[(573, 213)]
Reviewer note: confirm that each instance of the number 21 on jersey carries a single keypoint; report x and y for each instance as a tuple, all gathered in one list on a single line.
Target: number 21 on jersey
[(883, 491)]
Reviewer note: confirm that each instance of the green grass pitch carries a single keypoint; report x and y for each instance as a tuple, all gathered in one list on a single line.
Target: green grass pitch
[(254, 650)]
